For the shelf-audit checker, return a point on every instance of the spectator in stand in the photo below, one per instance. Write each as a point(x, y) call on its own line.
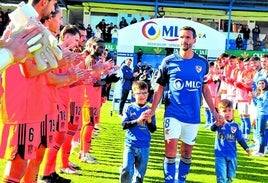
point(7, 19)
point(246, 32)
point(240, 28)
point(114, 34)
point(98, 33)
point(139, 55)
point(257, 44)
point(239, 42)
point(102, 25)
point(249, 44)
point(134, 20)
point(110, 28)
point(123, 23)
point(265, 43)
point(142, 19)
point(256, 32)
point(89, 31)
point(2, 21)
point(106, 35)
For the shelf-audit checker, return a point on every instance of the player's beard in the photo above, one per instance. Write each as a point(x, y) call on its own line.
point(186, 46)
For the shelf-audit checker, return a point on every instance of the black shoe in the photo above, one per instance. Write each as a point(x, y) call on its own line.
point(58, 179)
point(46, 179)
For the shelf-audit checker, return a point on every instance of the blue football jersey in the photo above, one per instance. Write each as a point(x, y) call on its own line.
point(184, 79)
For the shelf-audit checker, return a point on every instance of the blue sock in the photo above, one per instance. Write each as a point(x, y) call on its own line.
point(212, 118)
point(207, 115)
point(243, 125)
point(266, 137)
point(248, 125)
point(184, 168)
point(169, 169)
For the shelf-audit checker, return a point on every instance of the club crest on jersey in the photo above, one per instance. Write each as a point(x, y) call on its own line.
point(198, 68)
point(233, 129)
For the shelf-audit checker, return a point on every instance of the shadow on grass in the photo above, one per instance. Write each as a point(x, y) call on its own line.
point(107, 175)
point(109, 145)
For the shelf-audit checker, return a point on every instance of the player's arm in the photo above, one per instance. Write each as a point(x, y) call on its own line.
point(126, 124)
point(152, 125)
point(158, 94)
point(62, 80)
point(29, 69)
point(208, 98)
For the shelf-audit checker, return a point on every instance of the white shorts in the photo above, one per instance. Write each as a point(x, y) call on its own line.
point(243, 107)
point(175, 129)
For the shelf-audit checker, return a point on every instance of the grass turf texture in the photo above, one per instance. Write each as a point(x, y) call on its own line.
point(107, 147)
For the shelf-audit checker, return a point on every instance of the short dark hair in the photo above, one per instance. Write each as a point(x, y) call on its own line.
point(255, 58)
point(190, 29)
point(232, 57)
point(81, 26)
point(224, 55)
point(264, 56)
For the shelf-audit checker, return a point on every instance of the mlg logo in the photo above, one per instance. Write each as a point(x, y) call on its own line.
point(152, 31)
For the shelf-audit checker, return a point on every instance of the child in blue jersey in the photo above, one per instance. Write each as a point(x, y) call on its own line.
point(138, 123)
point(260, 100)
point(227, 133)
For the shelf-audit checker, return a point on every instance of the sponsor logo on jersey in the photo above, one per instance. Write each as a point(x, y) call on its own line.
point(187, 84)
